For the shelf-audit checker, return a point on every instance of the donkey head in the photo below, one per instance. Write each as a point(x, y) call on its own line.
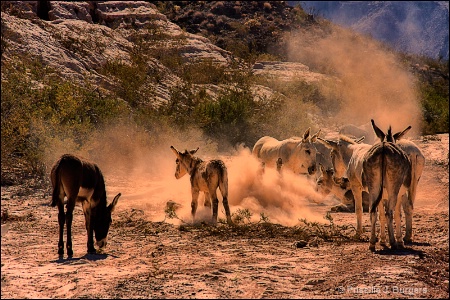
point(325, 180)
point(339, 150)
point(305, 153)
point(183, 161)
point(103, 221)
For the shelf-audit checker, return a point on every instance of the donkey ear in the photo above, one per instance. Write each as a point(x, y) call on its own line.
point(400, 135)
point(306, 134)
point(177, 153)
point(359, 141)
point(114, 202)
point(315, 136)
point(192, 152)
point(329, 144)
point(380, 134)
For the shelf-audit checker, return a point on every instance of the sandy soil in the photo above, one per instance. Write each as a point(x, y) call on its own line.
point(152, 256)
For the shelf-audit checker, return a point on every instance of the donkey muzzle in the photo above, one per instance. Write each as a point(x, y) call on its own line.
point(312, 170)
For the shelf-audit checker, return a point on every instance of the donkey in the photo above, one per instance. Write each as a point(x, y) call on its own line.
point(81, 181)
point(325, 184)
point(386, 166)
point(298, 155)
point(206, 177)
point(406, 199)
point(347, 156)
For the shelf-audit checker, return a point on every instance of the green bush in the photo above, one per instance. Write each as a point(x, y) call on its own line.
point(41, 111)
point(435, 109)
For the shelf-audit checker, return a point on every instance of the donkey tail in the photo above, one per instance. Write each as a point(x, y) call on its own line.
point(383, 171)
point(56, 183)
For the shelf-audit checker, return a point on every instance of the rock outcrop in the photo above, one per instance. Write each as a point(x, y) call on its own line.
point(77, 38)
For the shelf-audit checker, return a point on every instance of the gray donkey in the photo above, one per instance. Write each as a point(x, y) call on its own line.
point(386, 166)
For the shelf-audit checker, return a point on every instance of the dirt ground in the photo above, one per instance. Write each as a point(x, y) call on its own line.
point(151, 256)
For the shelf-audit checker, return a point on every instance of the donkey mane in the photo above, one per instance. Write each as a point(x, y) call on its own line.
point(347, 139)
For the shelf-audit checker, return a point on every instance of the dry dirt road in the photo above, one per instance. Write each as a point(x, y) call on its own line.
point(160, 259)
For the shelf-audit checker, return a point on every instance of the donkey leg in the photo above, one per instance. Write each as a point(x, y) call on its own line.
point(408, 210)
point(89, 226)
point(215, 203)
point(374, 190)
point(373, 236)
point(194, 203)
point(227, 210)
point(390, 218)
point(61, 222)
point(381, 210)
point(207, 200)
point(357, 193)
point(69, 218)
point(223, 186)
point(398, 223)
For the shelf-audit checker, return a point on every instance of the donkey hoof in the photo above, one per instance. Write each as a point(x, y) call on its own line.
point(372, 247)
point(407, 241)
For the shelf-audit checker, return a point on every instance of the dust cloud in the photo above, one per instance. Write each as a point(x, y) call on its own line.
point(141, 166)
point(369, 80)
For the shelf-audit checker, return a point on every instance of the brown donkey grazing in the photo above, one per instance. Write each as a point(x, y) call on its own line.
point(206, 177)
point(81, 181)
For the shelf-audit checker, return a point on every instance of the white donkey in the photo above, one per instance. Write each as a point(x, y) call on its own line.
point(297, 154)
point(347, 158)
point(206, 177)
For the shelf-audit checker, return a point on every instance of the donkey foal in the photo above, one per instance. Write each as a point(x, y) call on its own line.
point(206, 177)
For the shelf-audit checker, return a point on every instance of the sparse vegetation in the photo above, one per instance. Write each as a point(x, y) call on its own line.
point(40, 108)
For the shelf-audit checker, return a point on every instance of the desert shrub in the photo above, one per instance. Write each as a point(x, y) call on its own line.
point(38, 116)
point(435, 109)
point(327, 232)
point(226, 118)
point(130, 79)
point(242, 216)
point(203, 72)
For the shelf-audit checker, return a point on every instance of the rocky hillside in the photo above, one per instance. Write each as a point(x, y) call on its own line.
point(225, 68)
point(78, 38)
point(245, 28)
point(415, 27)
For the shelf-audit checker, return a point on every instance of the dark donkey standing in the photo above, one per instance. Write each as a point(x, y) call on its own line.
point(81, 181)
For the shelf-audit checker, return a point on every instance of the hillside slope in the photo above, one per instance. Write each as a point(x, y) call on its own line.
point(415, 27)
